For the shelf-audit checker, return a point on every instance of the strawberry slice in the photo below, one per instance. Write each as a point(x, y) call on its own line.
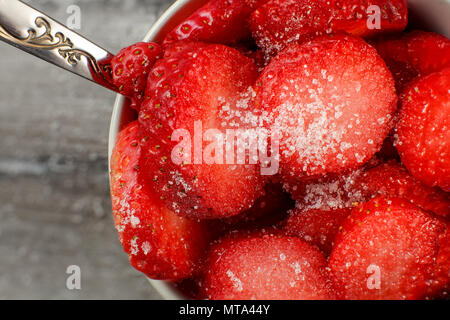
point(188, 93)
point(315, 226)
point(414, 54)
point(392, 179)
point(429, 52)
point(158, 242)
point(218, 21)
point(265, 266)
point(387, 249)
point(130, 68)
point(327, 193)
point(423, 129)
point(331, 101)
point(279, 22)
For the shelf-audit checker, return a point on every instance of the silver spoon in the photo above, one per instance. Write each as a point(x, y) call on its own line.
point(36, 33)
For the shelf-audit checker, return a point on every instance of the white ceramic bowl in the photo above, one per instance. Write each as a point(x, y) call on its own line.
point(433, 15)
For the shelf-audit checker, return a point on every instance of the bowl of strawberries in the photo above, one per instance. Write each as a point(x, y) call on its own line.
point(286, 150)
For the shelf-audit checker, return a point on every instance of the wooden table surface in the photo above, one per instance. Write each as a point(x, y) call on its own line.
point(55, 207)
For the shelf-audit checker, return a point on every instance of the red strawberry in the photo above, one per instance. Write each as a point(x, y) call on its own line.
point(392, 179)
point(423, 129)
point(327, 193)
point(415, 54)
point(428, 52)
point(197, 85)
point(315, 226)
point(387, 249)
point(159, 243)
point(218, 21)
point(130, 68)
point(331, 100)
point(279, 22)
point(265, 266)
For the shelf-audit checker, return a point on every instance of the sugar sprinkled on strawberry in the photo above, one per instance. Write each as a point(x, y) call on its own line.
point(387, 249)
point(331, 100)
point(392, 179)
point(423, 135)
point(265, 266)
point(193, 83)
point(279, 22)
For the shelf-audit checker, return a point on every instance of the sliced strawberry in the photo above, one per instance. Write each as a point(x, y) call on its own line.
point(315, 226)
point(392, 179)
point(218, 21)
point(387, 249)
point(415, 54)
point(159, 243)
point(327, 193)
point(429, 52)
point(265, 266)
point(130, 68)
point(279, 22)
point(190, 89)
point(331, 100)
point(423, 129)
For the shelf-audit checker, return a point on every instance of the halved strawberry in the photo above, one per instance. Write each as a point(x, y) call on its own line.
point(218, 21)
point(279, 22)
point(387, 249)
point(392, 179)
point(327, 193)
point(414, 54)
point(265, 266)
point(423, 129)
point(130, 68)
point(331, 100)
point(159, 243)
point(188, 93)
point(316, 226)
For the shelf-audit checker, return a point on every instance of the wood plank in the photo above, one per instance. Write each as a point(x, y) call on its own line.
point(54, 200)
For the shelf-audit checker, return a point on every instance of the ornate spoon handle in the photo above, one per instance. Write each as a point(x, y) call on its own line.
point(34, 32)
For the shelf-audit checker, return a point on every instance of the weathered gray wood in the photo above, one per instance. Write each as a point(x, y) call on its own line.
point(54, 199)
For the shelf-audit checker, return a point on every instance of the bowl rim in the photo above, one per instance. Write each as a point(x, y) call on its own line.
point(165, 288)
point(436, 11)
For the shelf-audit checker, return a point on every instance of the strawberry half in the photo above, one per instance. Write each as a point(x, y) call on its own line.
point(327, 193)
point(130, 68)
point(331, 101)
point(423, 129)
point(315, 226)
point(414, 54)
point(194, 86)
point(392, 179)
point(388, 249)
point(265, 266)
point(279, 22)
point(158, 242)
point(218, 21)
